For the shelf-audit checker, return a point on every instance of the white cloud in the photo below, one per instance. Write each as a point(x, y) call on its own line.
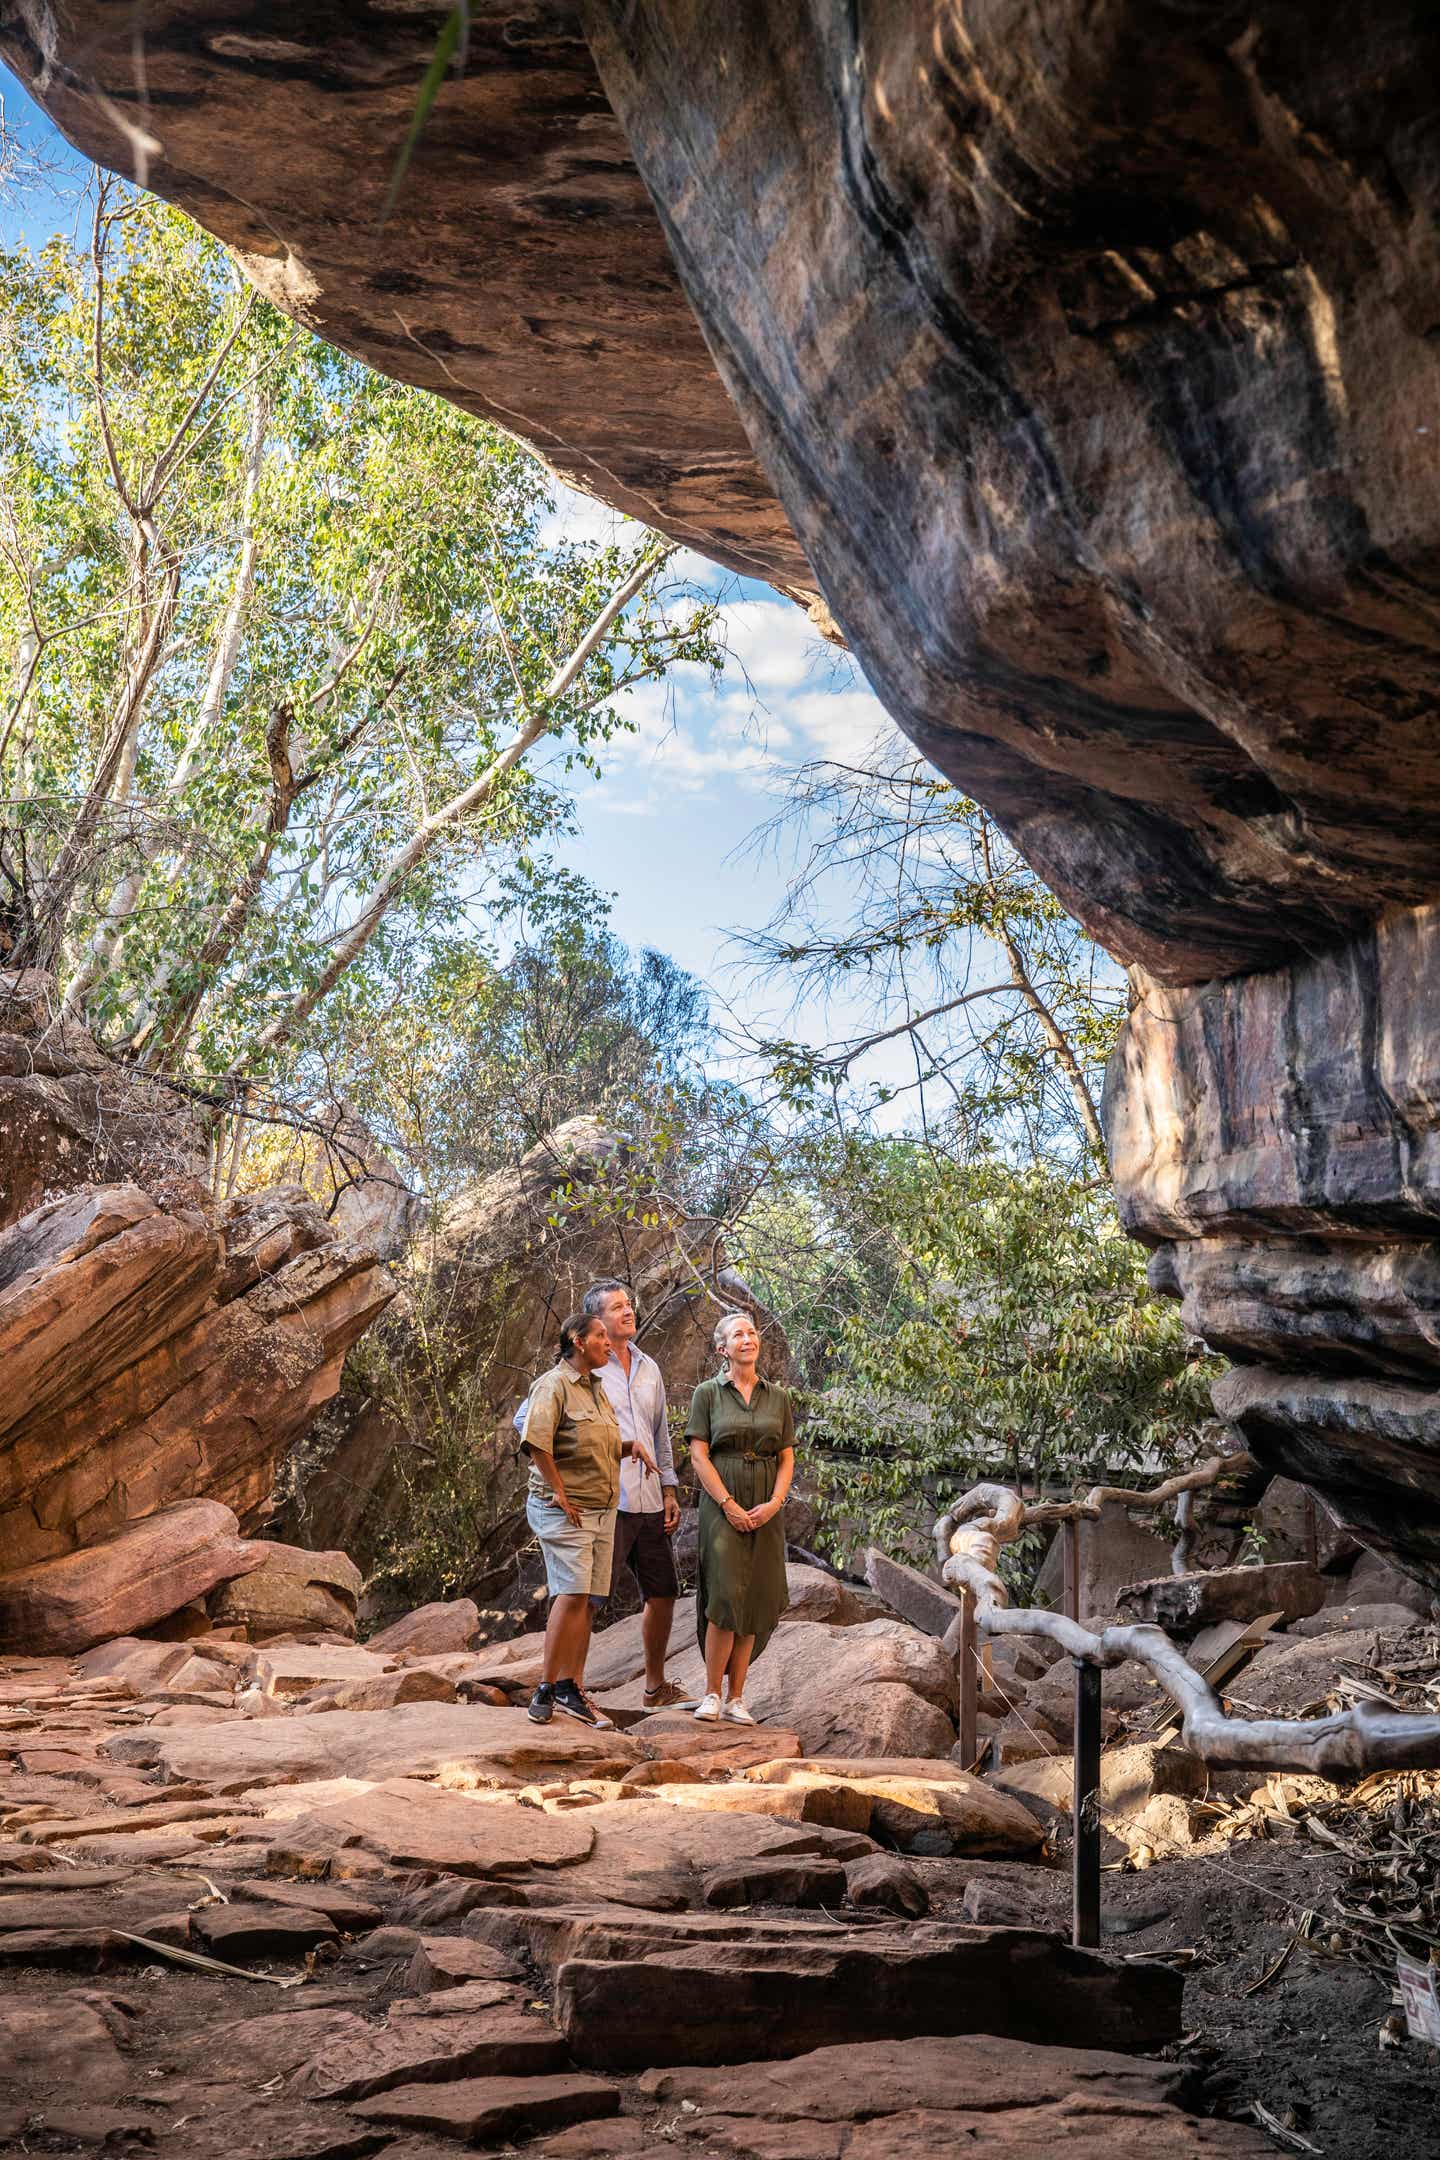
point(773, 642)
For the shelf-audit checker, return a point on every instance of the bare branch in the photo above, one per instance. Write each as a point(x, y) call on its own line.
point(1362, 1738)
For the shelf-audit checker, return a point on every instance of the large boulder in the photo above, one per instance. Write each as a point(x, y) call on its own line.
point(1277, 1140)
point(874, 1687)
point(510, 1260)
point(1183, 1604)
point(290, 1592)
point(127, 1581)
point(431, 1630)
point(155, 1350)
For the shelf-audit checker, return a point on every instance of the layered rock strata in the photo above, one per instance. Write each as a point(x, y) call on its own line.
point(1088, 353)
point(153, 1353)
point(1276, 1139)
point(521, 272)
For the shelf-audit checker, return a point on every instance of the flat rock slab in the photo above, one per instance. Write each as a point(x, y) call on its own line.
point(777, 1882)
point(912, 1799)
point(129, 1822)
point(293, 1669)
point(246, 2051)
point(470, 1996)
point(132, 1578)
point(57, 1878)
point(717, 2002)
point(62, 2045)
point(431, 1629)
point(651, 1854)
point(927, 1605)
point(345, 1908)
point(835, 1805)
point(241, 1932)
point(444, 1963)
point(281, 2130)
point(553, 1934)
point(1184, 1604)
point(914, 2099)
point(413, 1740)
point(488, 2111)
point(77, 1949)
point(714, 1750)
point(414, 2051)
point(411, 1824)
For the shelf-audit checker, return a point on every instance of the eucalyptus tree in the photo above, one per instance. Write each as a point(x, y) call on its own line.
point(907, 897)
point(282, 642)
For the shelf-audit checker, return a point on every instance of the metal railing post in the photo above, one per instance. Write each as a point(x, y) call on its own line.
point(1085, 1929)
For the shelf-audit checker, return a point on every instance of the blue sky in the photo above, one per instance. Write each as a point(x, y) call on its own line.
point(667, 831)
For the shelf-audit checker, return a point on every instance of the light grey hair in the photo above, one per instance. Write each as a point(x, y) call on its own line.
point(599, 1294)
point(723, 1326)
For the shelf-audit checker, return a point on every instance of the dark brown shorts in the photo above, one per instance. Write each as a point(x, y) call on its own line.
point(642, 1546)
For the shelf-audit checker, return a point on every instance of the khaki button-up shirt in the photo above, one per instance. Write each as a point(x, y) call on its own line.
point(573, 1420)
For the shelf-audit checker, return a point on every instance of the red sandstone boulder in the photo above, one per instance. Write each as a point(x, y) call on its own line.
point(291, 1593)
point(129, 1581)
point(153, 1353)
point(431, 1630)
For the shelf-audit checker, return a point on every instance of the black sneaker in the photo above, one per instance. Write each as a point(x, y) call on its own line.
point(542, 1702)
point(569, 1699)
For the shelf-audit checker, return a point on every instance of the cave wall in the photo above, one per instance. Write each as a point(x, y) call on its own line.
point(1087, 359)
point(1276, 1140)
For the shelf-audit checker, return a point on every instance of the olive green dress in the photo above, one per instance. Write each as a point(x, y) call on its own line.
point(742, 1573)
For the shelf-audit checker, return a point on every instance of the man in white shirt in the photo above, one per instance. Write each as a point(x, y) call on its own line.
point(649, 1504)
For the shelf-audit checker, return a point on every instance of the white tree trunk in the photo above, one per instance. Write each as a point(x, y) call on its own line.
point(407, 859)
point(108, 934)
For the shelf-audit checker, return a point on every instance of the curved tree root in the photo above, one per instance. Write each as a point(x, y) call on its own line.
point(1363, 1738)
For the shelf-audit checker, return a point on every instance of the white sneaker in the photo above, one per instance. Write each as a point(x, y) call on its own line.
point(736, 1712)
point(709, 1711)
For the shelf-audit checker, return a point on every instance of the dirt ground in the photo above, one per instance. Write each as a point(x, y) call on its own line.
point(1305, 2044)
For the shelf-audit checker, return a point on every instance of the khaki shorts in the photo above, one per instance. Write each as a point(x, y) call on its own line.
point(578, 1557)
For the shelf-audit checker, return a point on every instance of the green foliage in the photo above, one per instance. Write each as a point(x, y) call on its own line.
point(269, 617)
point(976, 1319)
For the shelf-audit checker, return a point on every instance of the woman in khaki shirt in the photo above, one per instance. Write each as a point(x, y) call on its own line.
point(572, 1437)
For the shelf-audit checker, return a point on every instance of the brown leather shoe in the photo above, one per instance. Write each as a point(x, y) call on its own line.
point(660, 1698)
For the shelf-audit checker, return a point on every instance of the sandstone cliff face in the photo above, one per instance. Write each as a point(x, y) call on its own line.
point(522, 273)
point(1088, 351)
point(152, 1354)
point(1277, 1140)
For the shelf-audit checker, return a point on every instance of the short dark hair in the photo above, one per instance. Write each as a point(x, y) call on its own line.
point(575, 1329)
point(593, 1301)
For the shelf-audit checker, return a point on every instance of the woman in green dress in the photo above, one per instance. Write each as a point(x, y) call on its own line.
point(742, 1442)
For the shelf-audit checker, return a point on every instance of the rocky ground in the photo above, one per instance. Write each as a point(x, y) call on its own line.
point(301, 1900)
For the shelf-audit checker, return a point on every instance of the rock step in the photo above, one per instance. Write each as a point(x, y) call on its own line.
point(636, 1989)
point(911, 2099)
point(490, 2110)
point(431, 2050)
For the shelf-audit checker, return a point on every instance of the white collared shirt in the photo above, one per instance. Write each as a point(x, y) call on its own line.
point(639, 1403)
